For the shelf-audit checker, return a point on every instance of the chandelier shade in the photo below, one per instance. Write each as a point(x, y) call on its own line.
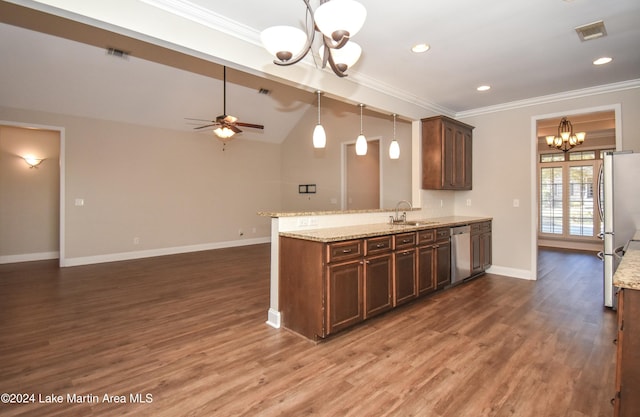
point(339, 18)
point(284, 42)
point(345, 57)
point(565, 140)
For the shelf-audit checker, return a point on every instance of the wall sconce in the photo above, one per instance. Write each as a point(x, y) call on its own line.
point(32, 161)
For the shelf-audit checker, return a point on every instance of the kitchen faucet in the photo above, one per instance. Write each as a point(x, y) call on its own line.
point(402, 219)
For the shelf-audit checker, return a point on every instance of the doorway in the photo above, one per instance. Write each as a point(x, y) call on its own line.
point(362, 177)
point(564, 184)
point(30, 197)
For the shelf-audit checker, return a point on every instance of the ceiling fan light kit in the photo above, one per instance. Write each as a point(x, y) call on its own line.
point(336, 20)
point(225, 125)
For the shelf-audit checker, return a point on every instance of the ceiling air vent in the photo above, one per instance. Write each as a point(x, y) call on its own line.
point(591, 31)
point(118, 53)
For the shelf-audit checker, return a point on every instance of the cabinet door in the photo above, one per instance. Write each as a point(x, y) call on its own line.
point(485, 250)
point(405, 276)
point(344, 295)
point(476, 254)
point(378, 273)
point(426, 270)
point(443, 264)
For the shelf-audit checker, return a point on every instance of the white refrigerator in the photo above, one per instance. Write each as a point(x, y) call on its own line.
point(620, 211)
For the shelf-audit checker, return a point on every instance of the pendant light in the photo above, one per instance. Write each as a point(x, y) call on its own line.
point(394, 148)
point(319, 135)
point(361, 141)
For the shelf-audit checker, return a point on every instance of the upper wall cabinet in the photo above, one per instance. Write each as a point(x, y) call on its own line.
point(446, 154)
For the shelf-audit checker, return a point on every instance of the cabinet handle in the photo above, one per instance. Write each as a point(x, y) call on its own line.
point(615, 341)
point(406, 240)
point(346, 251)
point(406, 253)
point(380, 245)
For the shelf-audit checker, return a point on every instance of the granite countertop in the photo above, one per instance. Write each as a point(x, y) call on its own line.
point(628, 273)
point(328, 212)
point(335, 234)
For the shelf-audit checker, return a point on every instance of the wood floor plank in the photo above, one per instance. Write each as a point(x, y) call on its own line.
point(190, 330)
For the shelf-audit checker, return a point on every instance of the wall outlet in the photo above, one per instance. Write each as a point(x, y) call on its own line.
point(79, 202)
point(253, 230)
point(240, 232)
point(468, 201)
point(516, 202)
point(136, 240)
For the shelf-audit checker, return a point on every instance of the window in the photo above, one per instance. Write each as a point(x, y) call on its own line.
point(551, 200)
point(568, 184)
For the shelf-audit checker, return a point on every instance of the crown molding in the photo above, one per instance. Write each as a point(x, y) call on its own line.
point(552, 98)
point(208, 18)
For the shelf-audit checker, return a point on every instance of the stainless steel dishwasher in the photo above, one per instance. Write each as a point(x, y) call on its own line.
point(460, 253)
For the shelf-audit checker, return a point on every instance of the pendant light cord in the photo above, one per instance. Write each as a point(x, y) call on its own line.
point(361, 106)
point(394, 126)
point(318, 106)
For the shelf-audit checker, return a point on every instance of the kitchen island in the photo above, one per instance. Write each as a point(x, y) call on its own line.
point(627, 385)
point(333, 278)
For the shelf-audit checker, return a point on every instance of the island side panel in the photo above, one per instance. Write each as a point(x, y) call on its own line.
point(302, 286)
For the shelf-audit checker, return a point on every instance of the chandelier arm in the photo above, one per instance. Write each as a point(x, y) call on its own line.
point(310, 38)
point(334, 67)
point(330, 43)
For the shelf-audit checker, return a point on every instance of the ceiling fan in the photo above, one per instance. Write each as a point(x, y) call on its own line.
point(225, 125)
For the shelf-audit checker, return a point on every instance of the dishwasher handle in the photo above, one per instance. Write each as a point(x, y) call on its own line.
point(460, 230)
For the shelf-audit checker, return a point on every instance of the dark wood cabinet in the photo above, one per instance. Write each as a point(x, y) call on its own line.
point(344, 295)
point(627, 383)
point(443, 258)
point(328, 287)
point(446, 154)
point(426, 259)
point(405, 276)
point(480, 247)
point(378, 276)
point(404, 259)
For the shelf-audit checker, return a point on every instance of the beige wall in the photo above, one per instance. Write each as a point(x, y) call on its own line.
point(302, 164)
point(29, 197)
point(504, 158)
point(169, 189)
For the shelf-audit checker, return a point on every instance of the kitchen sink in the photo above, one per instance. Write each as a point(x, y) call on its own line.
point(414, 223)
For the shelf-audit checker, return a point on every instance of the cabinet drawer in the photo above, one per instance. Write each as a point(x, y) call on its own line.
point(426, 236)
point(345, 250)
point(485, 227)
point(442, 234)
point(405, 240)
point(378, 245)
point(475, 228)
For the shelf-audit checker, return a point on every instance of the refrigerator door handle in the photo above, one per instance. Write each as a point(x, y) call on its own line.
point(599, 191)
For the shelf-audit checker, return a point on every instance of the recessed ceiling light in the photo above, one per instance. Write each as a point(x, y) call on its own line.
point(484, 88)
point(419, 48)
point(602, 61)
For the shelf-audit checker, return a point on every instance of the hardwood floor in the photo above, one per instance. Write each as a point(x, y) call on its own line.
point(190, 331)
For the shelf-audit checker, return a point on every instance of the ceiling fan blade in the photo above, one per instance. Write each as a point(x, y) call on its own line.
point(205, 126)
point(234, 128)
point(250, 125)
point(200, 120)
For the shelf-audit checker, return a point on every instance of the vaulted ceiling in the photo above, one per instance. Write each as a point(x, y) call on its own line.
point(54, 58)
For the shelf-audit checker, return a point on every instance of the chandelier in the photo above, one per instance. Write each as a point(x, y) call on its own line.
point(565, 140)
point(336, 20)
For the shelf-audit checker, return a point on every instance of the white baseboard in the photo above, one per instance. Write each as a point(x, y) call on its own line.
point(28, 257)
point(511, 272)
point(125, 256)
point(273, 318)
